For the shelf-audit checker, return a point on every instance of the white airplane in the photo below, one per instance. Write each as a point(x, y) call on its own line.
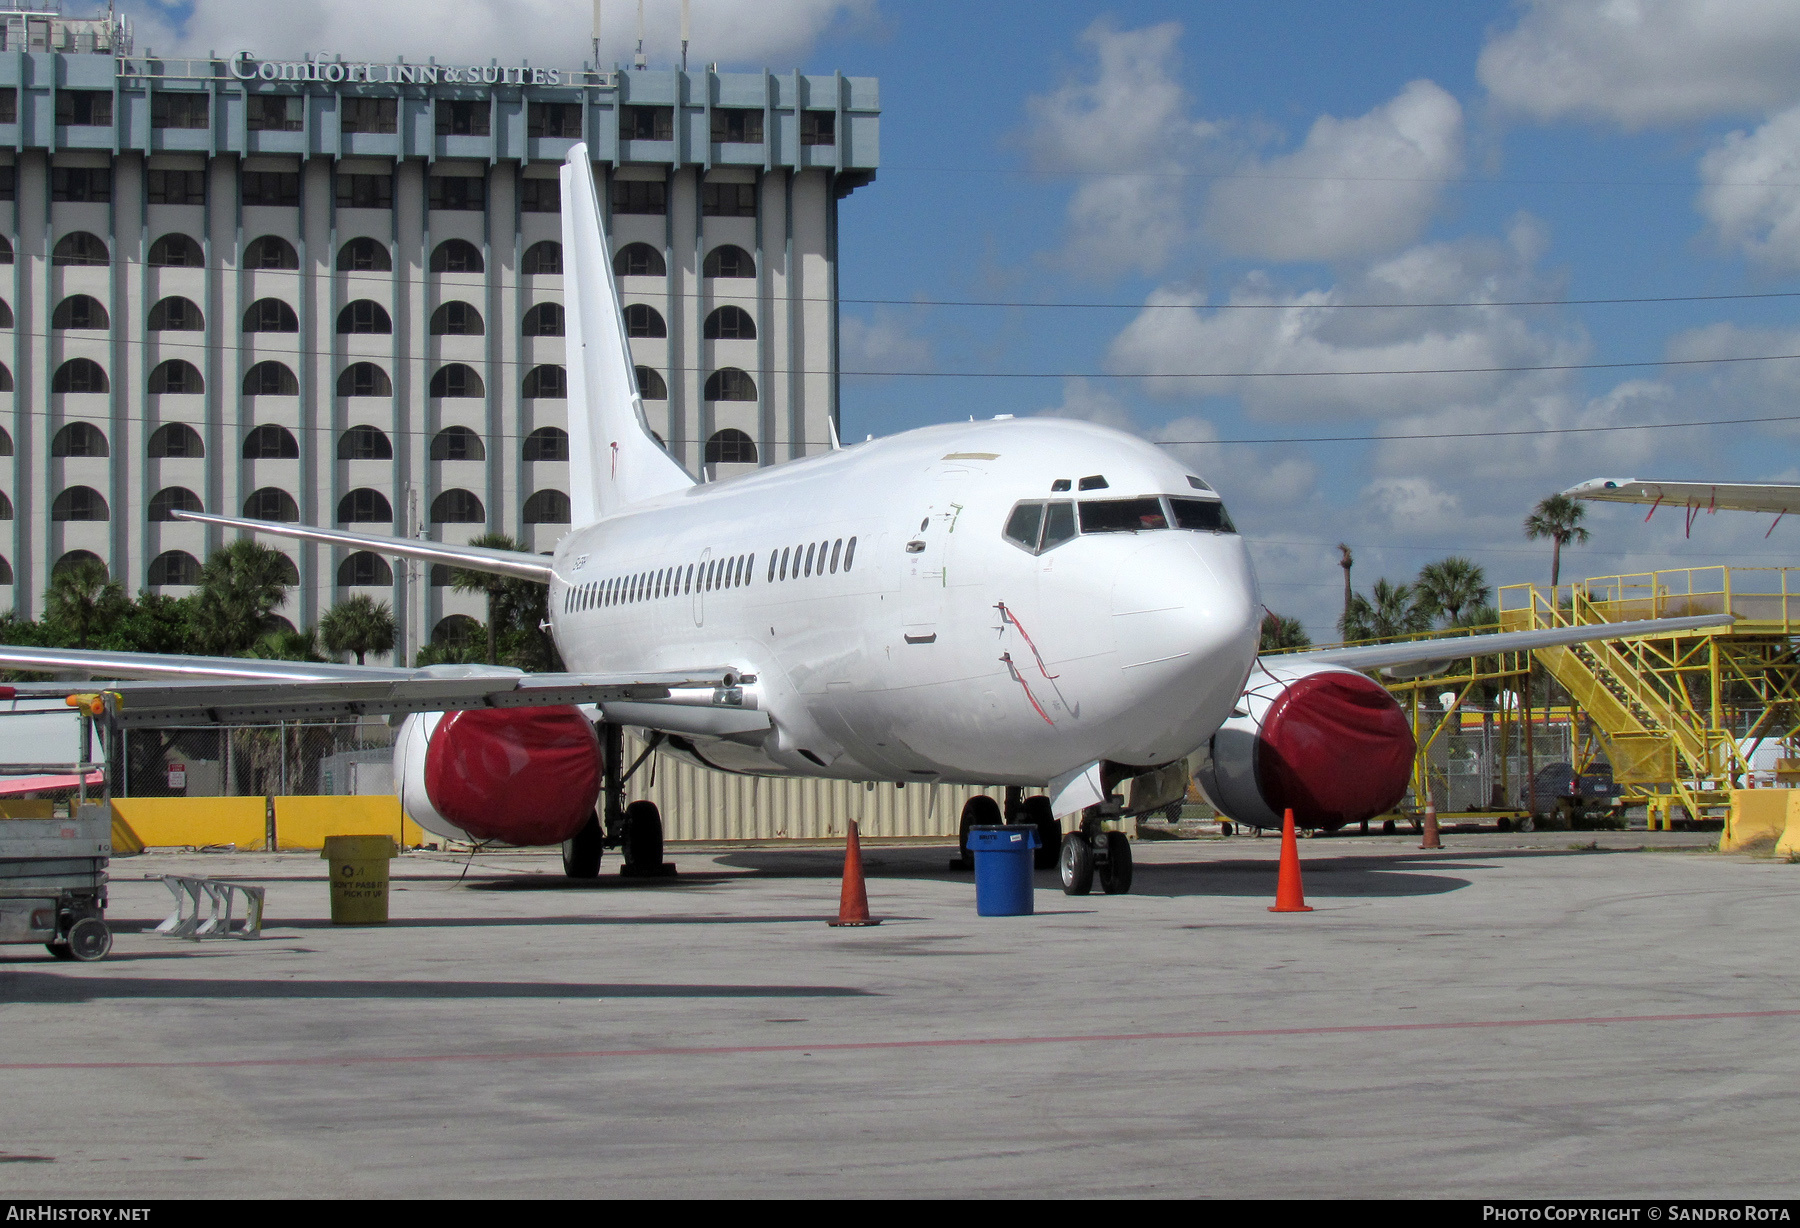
point(1693, 498)
point(1029, 603)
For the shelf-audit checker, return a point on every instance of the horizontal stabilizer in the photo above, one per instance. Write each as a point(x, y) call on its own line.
point(474, 558)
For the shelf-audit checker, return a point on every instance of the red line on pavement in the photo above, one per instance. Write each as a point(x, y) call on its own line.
point(375, 1059)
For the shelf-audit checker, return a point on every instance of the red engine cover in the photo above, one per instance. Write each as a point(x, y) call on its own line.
point(1335, 748)
point(520, 775)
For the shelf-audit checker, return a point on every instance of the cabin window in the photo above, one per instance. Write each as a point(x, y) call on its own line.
point(837, 549)
point(1205, 514)
point(809, 558)
point(849, 554)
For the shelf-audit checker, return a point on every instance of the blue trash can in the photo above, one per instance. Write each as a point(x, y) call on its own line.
point(1003, 869)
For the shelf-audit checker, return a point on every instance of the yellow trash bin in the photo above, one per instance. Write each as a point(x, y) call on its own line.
point(359, 878)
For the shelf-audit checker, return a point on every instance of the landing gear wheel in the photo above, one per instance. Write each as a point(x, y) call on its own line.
point(1036, 811)
point(979, 811)
point(1115, 875)
point(89, 939)
point(1387, 827)
point(643, 843)
point(59, 949)
point(581, 852)
point(1076, 864)
point(1225, 827)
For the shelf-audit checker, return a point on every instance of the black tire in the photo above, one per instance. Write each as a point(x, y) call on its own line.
point(1076, 863)
point(59, 949)
point(1387, 827)
point(1115, 875)
point(582, 851)
point(1225, 827)
point(979, 811)
point(89, 940)
point(643, 844)
point(1036, 811)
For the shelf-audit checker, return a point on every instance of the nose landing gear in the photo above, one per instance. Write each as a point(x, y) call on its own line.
point(1092, 851)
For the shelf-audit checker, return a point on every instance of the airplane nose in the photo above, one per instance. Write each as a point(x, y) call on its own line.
point(1187, 600)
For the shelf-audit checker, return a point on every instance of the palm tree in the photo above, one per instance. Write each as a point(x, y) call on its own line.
point(1396, 610)
point(1557, 517)
point(1450, 586)
point(495, 588)
point(358, 625)
point(1281, 632)
point(84, 599)
point(287, 644)
point(240, 587)
point(1345, 560)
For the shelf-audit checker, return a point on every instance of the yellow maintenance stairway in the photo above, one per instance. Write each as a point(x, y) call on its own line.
point(1673, 712)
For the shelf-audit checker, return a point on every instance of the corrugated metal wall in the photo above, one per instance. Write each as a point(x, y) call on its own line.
point(698, 804)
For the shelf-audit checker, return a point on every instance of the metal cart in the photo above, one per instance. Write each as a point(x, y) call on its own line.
point(53, 882)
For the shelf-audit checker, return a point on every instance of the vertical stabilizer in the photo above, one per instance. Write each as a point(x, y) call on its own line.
point(614, 460)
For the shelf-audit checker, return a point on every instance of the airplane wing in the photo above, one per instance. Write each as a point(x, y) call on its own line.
point(1773, 497)
point(474, 558)
point(147, 689)
point(1454, 648)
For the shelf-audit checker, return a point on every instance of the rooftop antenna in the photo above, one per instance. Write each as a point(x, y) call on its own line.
point(638, 61)
point(596, 35)
point(684, 34)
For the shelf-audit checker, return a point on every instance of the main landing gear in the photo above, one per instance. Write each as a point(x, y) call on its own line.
point(982, 811)
point(635, 830)
point(1091, 851)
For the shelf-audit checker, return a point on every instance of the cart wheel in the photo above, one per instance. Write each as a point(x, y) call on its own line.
point(89, 939)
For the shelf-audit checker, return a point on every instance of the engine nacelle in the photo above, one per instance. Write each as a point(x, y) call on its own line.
point(512, 775)
point(1321, 740)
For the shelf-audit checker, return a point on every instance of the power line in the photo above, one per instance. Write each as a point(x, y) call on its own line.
point(1547, 430)
point(1294, 306)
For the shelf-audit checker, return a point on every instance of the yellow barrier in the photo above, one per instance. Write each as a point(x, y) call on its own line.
point(1789, 844)
point(27, 808)
point(1757, 816)
point(304, 822)
point(197, 821)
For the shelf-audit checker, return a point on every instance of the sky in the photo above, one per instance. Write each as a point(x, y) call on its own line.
point(1173, 217)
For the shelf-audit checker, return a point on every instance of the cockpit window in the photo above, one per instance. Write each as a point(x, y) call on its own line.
point(1122, 515)
point(1038, 527)
point(1197, 484)
point(1023, 525)
point(1206, 514)
point(1059, 525)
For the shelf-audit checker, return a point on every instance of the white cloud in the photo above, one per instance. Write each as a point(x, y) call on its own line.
point(1409, 501)
point(1126, 132)
point(1086, 400)
point(552, 33)
point(1356, 187)
point(1752, 191)
point(1307, 332)
point(882, 344)
point(1642, 62)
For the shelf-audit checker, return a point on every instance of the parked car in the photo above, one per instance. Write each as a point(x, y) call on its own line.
point(1595, 787)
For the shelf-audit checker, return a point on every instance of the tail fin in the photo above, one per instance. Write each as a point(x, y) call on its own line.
point(614, 460)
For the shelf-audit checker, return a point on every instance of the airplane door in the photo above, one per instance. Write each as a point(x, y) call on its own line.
point(925, 583)
point(700, 587)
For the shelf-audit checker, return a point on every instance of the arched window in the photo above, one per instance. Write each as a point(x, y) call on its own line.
point(6, 507)
point(176, 252)
point(730, 384)
point(730, 447)
point(364, 316)
point(364, 570)
point(176, 375)
point(730, 324)
point(6, 384)
point(639, 260)
point(456, 379)
point(80, 311)
point(6, 314)
point(547, 507)
point(6, 250)
point(173, 567)
point(75, 558)
point(271, 503)
point(271, 252)
point(176, 439)
point(80, 503)
point(271, 442)
point(364, 255)
point(6, 572)
point(174, 499)
point(80, 439)
point(457, 320)
point(290, 572)
point(364, 379)
point(271, 379)
point(457, 256)
point(543, 258)
point(6, 443)
point(455, 631)
point(457, 507)
point(549, 382)
point(544, 320)
point(457, 443)
point(365, 443)
point(728, 260)
point(177, 315)
point(650, 384)
point(547, 443)
point(643, 320)
point(270, 315)
point(78, 247)
point(365, 506)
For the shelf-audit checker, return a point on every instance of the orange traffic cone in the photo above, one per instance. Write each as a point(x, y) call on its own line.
point(1289, 897)
point(853, 901)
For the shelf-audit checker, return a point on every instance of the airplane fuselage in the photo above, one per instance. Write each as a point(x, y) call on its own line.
point(896, 632)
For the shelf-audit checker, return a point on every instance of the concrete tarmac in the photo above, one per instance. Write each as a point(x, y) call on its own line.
point(1515, 1016)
